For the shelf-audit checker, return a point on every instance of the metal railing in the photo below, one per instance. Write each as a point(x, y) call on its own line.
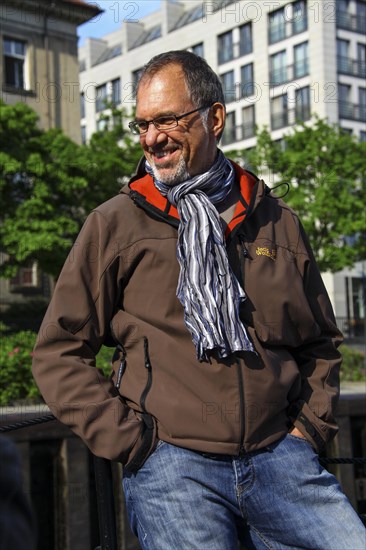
point(351, 327)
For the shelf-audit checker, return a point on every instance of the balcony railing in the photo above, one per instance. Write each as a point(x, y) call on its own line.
point(351, 111)
point(353, 67)
point(350, 22)
point(239, 49)
point(288, 73)
point(238, 133)
point(289, 117)
point(351, 327)
point(284, 30)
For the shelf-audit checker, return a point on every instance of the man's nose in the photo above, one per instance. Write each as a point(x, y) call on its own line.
point(153, 136)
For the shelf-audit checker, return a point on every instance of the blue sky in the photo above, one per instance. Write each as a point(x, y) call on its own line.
point(115, 12)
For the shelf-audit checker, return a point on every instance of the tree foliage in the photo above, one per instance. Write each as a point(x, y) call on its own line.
point(48, 184)
point(325, 169)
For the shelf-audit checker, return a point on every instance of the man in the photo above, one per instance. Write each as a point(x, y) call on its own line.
point(225, 375)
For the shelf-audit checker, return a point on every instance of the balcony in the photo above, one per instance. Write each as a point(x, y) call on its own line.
point(350, 22)
point(286, 29)
point(288, 73)
point(289, 117)
point(352, 67)
point(234, 52)
point(238, 133)
point(351, 111)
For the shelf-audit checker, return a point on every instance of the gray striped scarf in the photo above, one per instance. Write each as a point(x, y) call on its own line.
point(207, 288)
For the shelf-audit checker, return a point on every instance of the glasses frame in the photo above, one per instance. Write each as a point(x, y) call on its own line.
point(133, 125)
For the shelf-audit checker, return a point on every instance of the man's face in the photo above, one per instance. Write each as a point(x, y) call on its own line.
point(188, 149)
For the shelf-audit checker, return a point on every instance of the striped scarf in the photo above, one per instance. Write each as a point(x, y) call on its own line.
point(207, 288)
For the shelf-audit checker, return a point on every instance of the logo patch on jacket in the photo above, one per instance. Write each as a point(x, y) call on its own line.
point(264, 251)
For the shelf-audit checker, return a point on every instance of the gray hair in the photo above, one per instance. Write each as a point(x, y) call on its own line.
point(204, 86)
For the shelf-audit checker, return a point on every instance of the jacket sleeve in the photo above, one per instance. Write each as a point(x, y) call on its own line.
point(73, 331)
point(318, 360)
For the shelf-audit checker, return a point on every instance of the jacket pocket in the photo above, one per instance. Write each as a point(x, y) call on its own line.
point(145, 445)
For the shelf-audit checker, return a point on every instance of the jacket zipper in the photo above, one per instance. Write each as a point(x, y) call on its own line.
point(123, 363)
point(149, 374)
point(153, 210)
point(244, 255)
point(242, 410)
point(122, 366)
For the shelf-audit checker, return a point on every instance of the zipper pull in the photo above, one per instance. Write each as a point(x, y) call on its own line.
point(121, 369)
point(146, 352)
point(244, 249)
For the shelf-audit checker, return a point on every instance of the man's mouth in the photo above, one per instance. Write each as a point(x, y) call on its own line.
point(162, 154)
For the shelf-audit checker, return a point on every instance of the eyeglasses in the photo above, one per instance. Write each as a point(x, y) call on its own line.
point(166, 122)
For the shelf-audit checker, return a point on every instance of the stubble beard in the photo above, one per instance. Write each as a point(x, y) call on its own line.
point(175, 175)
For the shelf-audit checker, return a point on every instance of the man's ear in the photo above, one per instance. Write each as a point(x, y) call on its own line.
point(218, 117)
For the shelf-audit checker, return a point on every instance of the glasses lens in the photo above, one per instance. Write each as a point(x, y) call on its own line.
point(137, 127)
point(165, 122)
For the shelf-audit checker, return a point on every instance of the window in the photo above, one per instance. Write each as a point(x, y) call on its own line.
point(198, 49)
point(83, 135)
point(277, 26)
point(342, 47)
point(248, 122)
point(26, 277)
point(229, 87)
point(135, 78)
point(82, 105)
point(302, 108)
point(345, 107)
point(361, 15)
point(101, 96)
point(229, 135)
point(102, 124)
point(299, 18)
point(279, 112)
point(362, 104)
point(14, 61)
point(301, 60)
point(247, 80)
point(358, 298)
point(362, 135)
point(361, 60)
point(278, 68)
point(225, 47)
point(116, 91)
point(246, 43)
point(343, 61)
point(349, 21)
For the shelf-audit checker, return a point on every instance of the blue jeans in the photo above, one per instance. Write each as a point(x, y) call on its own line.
point(278, 498)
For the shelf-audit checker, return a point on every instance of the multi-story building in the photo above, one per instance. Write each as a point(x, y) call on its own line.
point(39, 66)
point(279, 61)
point(39, 58)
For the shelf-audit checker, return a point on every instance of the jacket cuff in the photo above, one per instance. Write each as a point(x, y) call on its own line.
point(311, 426)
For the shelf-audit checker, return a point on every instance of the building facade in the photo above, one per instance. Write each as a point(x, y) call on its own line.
point(39, 66)
point(39, 58)
point(279, 61)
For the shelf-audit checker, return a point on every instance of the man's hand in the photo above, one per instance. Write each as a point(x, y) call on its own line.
point(296, 432)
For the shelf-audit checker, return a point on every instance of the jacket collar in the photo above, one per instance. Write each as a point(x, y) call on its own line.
point(143, 192)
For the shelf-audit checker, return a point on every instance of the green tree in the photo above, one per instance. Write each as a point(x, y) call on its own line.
point(48, 184)
point(325, 169)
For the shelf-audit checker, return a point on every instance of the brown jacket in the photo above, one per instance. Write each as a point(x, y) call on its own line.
point(119, 283)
